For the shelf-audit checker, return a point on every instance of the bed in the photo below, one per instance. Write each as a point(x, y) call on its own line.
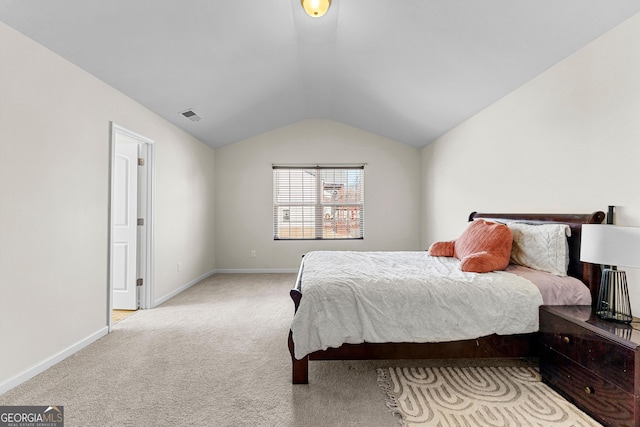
point(380, 346)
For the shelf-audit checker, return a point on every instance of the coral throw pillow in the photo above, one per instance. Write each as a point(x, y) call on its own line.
point(484, 246)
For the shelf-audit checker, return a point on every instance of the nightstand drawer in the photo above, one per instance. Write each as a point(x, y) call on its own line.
point(560, 335)
point(594, 352)
point(601, 399)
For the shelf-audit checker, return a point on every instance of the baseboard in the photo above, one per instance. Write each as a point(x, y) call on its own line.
point(222, 271)
point(182, 288)
point(29, 373)
point(256, 271)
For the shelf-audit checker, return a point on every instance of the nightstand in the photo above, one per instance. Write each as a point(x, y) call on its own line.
point(593, 363)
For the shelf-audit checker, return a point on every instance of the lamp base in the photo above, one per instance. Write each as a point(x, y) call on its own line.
point(613, 298)
point(615, 317)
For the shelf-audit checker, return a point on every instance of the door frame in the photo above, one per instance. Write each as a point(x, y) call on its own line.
point(147, 194)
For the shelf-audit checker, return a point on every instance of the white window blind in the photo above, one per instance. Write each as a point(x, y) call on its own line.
point(319, 202)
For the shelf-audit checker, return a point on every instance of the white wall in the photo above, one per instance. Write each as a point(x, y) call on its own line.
point(185, 210)
point(54, 183)
point(568, 141)
point(244, 196)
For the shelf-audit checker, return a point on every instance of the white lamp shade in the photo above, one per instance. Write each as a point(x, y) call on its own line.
point(610, 245)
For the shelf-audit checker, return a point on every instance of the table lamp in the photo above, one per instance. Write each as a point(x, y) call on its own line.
point(611, 246)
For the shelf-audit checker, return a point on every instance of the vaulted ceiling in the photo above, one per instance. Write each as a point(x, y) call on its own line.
point(408, 70)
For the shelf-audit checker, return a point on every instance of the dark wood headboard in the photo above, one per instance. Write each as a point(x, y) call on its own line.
point(588, 273)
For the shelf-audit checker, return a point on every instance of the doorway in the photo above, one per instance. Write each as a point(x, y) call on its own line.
point(130, 222)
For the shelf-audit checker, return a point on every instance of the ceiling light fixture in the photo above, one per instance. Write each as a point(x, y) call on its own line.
point(316, 8)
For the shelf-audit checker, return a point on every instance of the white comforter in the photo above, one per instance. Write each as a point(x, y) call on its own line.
point(355, 297)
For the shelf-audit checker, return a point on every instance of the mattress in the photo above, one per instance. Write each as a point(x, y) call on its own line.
point(376, 297)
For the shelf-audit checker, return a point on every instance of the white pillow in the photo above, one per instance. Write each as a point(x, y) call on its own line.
point(542, 247)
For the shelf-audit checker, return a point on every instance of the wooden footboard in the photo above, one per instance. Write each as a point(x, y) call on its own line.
point(300, 374)
point(300, 368)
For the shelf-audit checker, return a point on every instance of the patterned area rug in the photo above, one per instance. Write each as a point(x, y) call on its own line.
point(476, 396)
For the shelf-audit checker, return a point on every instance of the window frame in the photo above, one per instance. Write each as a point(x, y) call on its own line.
point(351, 210)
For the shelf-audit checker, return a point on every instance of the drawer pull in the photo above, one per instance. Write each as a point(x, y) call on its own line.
point(589, 390)
point(566, 340)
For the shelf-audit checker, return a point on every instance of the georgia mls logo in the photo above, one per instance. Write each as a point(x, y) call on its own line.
point(31, 416)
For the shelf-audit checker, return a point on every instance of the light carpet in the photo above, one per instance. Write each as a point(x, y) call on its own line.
point(477, 396)
point(215, 355)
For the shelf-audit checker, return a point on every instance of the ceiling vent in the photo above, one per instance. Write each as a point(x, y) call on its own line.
point(191, 115)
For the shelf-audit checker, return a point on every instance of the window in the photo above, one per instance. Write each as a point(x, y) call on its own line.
point(318, 202)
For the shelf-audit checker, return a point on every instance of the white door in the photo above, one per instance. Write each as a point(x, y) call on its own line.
point(125, 229)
